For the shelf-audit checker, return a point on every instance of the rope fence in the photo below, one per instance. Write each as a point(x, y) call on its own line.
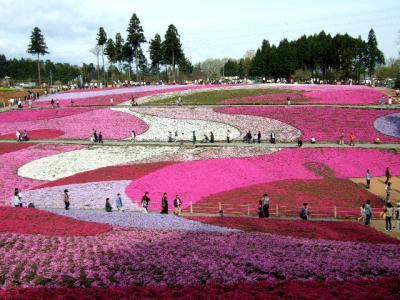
point(335, 212)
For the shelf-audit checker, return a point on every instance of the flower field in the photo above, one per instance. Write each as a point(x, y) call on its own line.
point(354, 289)
point(324, 123)
point(86, 252)
point(336, 231)
point(33, 221)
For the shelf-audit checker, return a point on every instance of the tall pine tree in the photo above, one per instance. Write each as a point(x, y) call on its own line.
point(156, 54)
point(374, 55)
point(37, 46)
point(135, 39)
point(172, 48)
point(101, 41)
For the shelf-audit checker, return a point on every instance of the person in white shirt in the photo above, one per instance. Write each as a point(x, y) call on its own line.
point(397, 215)
point(18, 135)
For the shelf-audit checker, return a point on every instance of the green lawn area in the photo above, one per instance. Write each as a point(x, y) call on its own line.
point(217, 96)
point(3, 89)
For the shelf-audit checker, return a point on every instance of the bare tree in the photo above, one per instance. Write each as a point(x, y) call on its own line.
point(96, 50)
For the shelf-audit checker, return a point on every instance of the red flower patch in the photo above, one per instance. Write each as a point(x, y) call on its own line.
point(289, 195)
point(37, 134)
point(34, 221)
point(328, 230)
point(382, 288)
point(12, 147)
point(127, 172)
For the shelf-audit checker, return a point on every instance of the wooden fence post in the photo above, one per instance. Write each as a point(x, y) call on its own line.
point(248, 209)
point(191, 207)
point(277, 210)
point(334, 212)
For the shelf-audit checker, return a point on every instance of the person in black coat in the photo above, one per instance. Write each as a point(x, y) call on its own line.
point(164, 204)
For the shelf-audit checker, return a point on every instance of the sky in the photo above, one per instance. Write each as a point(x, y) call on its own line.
point(208, 29)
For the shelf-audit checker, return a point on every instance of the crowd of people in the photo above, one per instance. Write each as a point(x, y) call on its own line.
point(145, 202)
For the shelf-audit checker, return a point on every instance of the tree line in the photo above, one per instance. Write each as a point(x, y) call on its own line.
point(167, 53)
point(26, 70)
point(320, 55)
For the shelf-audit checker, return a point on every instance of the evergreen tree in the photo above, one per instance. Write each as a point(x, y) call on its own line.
point(172, 48)
point(128, 57)
point(230, 68)
point(374, 55)
point(118, 50)
point(37, 46)
point(101, 41)
point(135, 39)
point(156, 54)
point(397, 82)
point(109, 50)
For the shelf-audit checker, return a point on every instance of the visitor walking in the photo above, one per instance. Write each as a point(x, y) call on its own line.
point(272, 138)
point(108, 205)
point(299, 142)
point(17, 200)
point(18, 136)
point(352, 139)
point(100, 139)
point(304, 212)
point(66, 199)
point(389, 216)
point(397, 215)
point(368, 178)
point(178, 205)
point(94, 136)
point(52, 103)
point(388, 189)
point(145, 202)
point(133, 136)
point(341, 138)
point(265, 205)
point(25, 137)
point(228, 138)
point(211, 137)
point(164, 204)
point(194, 137)
point(388, 175)
point(260, 209)
point(259, 137)
point(118, 203)
point(368, 212)
point(361, 219)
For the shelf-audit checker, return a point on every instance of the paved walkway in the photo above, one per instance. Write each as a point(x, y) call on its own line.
point(377, 106)
point(188, 144)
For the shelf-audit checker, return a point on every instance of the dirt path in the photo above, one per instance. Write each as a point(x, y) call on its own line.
point(378, 187)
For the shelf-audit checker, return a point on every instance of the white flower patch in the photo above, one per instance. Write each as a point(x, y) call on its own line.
point(82, 196)
point(159, 128)
point(203, 153)
point(73, 162)
point(245, 123)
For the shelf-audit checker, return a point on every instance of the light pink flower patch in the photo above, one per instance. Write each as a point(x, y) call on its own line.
point(112, 124)
point(14, 116)
point(11, 162)
point(197, 179)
